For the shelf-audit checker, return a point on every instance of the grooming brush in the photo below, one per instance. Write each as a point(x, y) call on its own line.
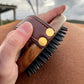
point(42, 44)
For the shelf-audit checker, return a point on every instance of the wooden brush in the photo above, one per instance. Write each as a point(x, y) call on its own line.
point(42, 44)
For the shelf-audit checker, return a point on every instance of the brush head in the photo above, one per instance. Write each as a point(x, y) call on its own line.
point(42, 43)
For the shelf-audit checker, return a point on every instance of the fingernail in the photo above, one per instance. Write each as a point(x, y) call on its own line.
point(25, 27)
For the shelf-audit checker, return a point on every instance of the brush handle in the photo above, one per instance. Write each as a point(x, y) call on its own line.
point(33, 51)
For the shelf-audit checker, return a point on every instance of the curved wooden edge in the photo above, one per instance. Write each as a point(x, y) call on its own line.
point(28, 57)
point(58, 22)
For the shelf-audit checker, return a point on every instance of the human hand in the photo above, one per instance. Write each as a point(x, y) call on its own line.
point(9, 52)
point(14, 42)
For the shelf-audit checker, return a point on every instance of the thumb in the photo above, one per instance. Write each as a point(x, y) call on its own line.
point(14, 41)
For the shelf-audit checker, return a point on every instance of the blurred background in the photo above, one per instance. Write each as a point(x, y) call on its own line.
point(11, 10)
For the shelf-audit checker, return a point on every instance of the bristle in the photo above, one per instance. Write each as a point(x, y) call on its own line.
point(52, 46)
point(45, 55)
point(47, 52)
point(28, 72)
point(52, 50)
point(59, 34)
point(61, 31)
point(58, 38)
point(42, 59)
point(64, 28)
point(31, 69)
point(35, 66)
point(55, 42)
point(38, 62)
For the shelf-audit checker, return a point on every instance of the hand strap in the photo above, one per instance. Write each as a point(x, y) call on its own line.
point(42, 31)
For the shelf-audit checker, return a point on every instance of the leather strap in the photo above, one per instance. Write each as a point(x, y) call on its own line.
point(42, 31)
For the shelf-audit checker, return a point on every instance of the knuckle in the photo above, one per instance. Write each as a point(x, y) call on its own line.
point(4, 74)
point(5, 71)
point(10, 33)
point(13, 41)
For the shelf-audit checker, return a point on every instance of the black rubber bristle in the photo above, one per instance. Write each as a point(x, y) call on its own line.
point(28, 72)
point(64, 28)
point(55, 42)
point(45, 55)
point(35, 66)
point(59, 34)
point(31, 69)
point(52, 50)
point(52, 46)
point(61, 31)
point(58, 38)
point(38, 62)
point(42, 59)
point(47, 52)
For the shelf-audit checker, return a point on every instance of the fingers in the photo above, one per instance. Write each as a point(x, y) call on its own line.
point(48, 16)
point(14, 42)
point(9, 49)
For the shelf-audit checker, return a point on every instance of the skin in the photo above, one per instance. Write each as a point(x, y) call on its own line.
point(64, 67)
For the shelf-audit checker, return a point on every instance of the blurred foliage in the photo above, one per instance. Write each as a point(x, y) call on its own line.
point(7, 21)
point(72, 21)
point(76, 21)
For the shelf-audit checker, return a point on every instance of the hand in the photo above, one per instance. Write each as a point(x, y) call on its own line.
point(9, 52)
point(14, 42)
